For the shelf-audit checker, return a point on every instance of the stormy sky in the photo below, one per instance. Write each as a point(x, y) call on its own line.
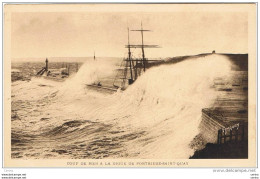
point(80, 33)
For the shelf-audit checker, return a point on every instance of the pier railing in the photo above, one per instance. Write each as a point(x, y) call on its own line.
point(235, 133)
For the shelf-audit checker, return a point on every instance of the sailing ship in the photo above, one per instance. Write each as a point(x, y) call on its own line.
point(135, 67)
point(132, 67)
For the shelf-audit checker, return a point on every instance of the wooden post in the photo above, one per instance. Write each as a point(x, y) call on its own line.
point(236, 137)
point(243, 132)
point(230, 135)
point(224, 136)
point(219, 136)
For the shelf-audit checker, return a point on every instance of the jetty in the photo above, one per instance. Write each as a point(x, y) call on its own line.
point(58, 71)
point(44, 70)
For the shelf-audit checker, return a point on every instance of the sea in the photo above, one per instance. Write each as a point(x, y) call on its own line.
point(157, 117)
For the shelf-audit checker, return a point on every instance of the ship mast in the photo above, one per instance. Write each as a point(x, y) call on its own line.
point(134, 66)
point(129, 56)
point(142, 46)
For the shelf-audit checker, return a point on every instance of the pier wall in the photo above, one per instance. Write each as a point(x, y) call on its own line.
point(209, 128)
point(213, 120)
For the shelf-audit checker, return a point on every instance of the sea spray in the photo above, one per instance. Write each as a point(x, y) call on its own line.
point(35, 89)
point(167, 101)
point(90, 72)
point(156, 117)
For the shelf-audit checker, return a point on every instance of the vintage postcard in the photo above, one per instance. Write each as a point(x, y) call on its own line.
point(129, 85)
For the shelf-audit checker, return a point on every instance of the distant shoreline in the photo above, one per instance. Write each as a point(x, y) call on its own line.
point(60, 59)
point(82, 59)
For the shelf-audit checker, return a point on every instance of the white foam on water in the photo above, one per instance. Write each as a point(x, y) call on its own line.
point(165, 102)
point(91, 71)
point(35, 89)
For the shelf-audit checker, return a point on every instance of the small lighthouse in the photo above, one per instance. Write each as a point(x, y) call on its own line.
point(46, 67)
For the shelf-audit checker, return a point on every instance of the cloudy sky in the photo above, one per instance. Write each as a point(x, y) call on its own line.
point(79, 34)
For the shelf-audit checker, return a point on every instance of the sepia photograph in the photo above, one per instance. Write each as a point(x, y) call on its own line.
point(139, 85)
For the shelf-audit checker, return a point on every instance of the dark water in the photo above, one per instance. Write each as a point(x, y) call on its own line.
point(24, 71)
point(42, 127)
